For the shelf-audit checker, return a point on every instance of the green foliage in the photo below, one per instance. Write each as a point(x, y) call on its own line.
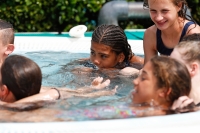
point(194, 6)
point(49, 15)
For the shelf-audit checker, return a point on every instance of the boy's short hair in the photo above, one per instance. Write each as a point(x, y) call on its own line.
point(192, 37)
point(21, 75)
point(6, 32)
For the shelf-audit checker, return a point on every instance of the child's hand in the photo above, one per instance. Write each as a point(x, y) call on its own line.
point(97, 83)
point(182, 102)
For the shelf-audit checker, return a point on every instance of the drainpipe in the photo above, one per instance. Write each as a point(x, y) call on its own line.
point(113, 11)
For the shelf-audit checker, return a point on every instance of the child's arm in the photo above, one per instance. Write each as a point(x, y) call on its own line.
point(149, 43)
point(60, 93)
point(51, 94)
point(87, 91)
point(137, 59)
point(95, 85)
point(97, 93)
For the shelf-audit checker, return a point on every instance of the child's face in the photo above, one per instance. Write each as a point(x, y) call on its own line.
point(145, 86)
point(163, 13)
point(103, 56)
point(3, 48)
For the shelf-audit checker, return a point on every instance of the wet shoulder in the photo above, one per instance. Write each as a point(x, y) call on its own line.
point(150, 37)
point(151, 31)
point(193, 28)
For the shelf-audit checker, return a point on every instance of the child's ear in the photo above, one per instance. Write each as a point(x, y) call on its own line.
point(6, 94)
point(10, 49)
point(121, 57)
point(4, 90)
point(164, 92)
point(179, 5)
point(194, 68)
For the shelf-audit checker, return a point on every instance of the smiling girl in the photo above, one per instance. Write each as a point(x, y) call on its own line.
point(171, 24)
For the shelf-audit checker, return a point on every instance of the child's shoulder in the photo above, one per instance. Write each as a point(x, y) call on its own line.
point(193, 28)
point(150, 34)
point(151, 30)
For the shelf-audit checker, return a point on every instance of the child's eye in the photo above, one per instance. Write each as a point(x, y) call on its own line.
point(164, 11)
point(104, 56)
point(92, 53)
point(152, 11)
point(142, 77)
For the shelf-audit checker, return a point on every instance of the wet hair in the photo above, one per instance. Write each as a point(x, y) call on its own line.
point(182, 13)
point(21, 75)
point(189, 49)
point(171, 74)
point(114, 37)
point(192, 37)
point(6, 32)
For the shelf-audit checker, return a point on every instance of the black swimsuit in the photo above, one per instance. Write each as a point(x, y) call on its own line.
point(128, 64)
point(162, 49)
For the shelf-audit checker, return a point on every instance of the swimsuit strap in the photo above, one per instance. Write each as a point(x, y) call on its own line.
point(185, 29)
point(161, 48)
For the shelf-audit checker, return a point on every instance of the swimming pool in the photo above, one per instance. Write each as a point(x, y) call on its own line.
point(184, 122)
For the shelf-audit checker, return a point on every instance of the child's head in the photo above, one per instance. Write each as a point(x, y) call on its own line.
point(187, 52)
point(163, 80)
point(113, 38)
point(192, 37)
point(182, 4)
point(20, 76)
point(6, 39)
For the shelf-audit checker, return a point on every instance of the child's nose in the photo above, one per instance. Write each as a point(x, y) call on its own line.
point(158, 17)
point(135, 81)
point(96, 62)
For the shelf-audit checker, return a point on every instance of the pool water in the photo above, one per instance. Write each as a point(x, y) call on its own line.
point(57, 71)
